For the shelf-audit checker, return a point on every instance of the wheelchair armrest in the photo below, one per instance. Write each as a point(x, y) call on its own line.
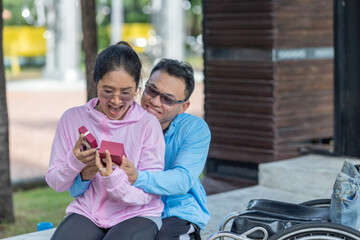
point(227, 219)
point(322, 202)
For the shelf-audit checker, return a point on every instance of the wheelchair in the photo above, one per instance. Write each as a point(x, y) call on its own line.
point(274, 220)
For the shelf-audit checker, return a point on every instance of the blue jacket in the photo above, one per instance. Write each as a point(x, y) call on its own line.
point(187, 143)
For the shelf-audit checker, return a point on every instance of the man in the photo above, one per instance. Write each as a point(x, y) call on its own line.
point(187, 140)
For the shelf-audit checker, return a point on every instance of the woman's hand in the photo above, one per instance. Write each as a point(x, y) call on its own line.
point(87, 156)
point(104, 171)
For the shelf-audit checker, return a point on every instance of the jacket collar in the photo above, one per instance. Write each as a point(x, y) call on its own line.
point(174, 124)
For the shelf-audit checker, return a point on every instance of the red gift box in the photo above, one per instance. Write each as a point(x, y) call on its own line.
point(89, 139)
point(116, 151)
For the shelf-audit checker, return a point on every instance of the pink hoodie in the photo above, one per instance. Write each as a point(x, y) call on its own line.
point(112, 199)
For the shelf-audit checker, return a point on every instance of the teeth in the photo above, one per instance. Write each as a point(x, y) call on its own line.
point(152, 110)
point(115, 109)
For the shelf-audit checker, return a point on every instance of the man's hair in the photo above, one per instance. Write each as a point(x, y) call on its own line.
point(178, 69)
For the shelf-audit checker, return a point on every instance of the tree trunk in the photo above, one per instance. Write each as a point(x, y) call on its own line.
point(88, 16)
point(6, 204)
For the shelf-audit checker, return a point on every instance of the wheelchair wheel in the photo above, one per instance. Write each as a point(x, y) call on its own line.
point(318, 231)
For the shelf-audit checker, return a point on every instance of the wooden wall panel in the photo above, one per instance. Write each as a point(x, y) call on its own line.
point(303, 23)
point(261, 108)
point(244, 23)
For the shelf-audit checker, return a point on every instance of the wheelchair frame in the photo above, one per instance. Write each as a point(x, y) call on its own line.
point(303, 231)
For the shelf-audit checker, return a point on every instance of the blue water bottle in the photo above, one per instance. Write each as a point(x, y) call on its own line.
point(44, 226)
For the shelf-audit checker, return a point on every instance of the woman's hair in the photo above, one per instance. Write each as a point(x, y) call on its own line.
point(180, 70)
point(120, 56)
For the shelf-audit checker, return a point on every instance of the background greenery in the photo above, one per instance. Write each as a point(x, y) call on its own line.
point(34, 206)
point(133, 10)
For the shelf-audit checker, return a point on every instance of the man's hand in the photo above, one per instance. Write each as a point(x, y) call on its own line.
point(129, 169)
point(88, 172)
point(87, 156)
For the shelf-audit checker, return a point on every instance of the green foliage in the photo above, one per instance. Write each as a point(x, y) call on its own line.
point(33, 206)
point(133, 11)
point(193, 19)
point(103, 37)
point(196, 61)
point(15, 7)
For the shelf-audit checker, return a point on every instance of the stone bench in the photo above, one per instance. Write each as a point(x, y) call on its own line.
point(41, 235)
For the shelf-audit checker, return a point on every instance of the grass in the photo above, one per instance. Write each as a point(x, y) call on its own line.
point(33, 206)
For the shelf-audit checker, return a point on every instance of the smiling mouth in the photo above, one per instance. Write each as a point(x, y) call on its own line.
point(115, 110)
point(152, 110)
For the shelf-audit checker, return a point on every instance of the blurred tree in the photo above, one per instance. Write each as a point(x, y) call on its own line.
point(88, 17)
point(6, 204)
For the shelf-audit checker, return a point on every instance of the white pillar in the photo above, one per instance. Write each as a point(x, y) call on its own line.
point(174, 28)
point(69, 40)
point(50, 36)
point(117, 20)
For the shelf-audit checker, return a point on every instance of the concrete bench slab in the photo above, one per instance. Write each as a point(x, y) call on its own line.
point(41, 235)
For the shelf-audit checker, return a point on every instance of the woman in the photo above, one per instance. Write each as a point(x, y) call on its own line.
point(111, 208)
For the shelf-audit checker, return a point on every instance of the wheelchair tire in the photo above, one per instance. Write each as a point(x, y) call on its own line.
point(318, 231)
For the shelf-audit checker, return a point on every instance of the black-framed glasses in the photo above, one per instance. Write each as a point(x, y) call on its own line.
point(165, 99)
point(108, 94)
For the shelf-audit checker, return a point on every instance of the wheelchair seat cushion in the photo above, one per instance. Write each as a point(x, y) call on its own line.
point(275, 216)
point(290, 210)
